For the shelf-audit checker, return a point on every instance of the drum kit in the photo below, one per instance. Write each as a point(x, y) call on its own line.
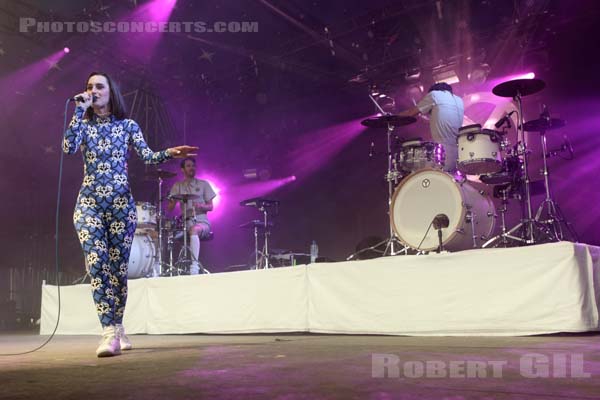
point(421, 193)
point(147, 248)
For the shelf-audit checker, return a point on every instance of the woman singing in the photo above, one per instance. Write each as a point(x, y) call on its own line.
point(105, 217)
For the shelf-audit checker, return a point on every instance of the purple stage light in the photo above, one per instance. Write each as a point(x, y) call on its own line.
point(67, 50)
point(19, 84)
point(313, 150)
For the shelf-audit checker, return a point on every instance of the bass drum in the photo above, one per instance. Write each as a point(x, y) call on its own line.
point(142, 257)
point(429, 192)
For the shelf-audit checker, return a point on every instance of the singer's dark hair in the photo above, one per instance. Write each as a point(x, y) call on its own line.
point(117, 103)
point(441, 86)
point(182, 163)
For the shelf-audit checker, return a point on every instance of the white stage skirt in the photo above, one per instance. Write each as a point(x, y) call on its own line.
point(518, 291)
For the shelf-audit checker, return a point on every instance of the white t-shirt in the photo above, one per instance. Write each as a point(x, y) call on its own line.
point(446, 117)
point(198, 187)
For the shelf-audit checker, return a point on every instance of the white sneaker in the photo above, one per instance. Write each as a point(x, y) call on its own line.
point(194, 268)
point(109, 345)
point(123, 339)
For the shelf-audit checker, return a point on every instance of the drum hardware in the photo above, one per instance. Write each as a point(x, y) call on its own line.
point(516, 89)
point(159, 175)
point(183, 263)
point(261, 258)
point(392, 245)
point(503, 192)
point(554, 218)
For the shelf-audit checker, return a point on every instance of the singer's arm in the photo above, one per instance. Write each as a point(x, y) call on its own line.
point(74, 134)
point(136, 138)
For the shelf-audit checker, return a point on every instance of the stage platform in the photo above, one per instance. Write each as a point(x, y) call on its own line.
point(489, 292)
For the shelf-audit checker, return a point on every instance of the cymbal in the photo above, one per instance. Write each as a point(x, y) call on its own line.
point(385, 120)
point(543, 124)
point(523, 87)
point(255, 223)
point(184, 197)
point(159, 173)
point(259, 202)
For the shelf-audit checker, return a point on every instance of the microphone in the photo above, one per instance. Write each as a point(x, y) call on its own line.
point(440, 221)
point(505, 119)
point(80, 99)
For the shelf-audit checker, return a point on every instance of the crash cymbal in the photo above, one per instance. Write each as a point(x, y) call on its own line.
point(385, 120)
point(159, 173)
point(184, 197)
point(543, 124)
point(523, 87)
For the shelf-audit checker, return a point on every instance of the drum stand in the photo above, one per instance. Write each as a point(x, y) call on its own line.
point(505, 238)
point(530, 228)
point(262, 261)
point(393, 246)
point(157, 271)
point(555, 219)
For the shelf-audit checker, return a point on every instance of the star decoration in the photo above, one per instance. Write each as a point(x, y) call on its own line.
point(206, 56)
point(49, 149)
point(53, 65)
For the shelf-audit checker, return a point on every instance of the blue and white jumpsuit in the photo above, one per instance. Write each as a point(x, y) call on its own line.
point(105, 217)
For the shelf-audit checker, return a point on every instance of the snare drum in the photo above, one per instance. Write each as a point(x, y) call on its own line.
point(146, 215)
point(142, 257)
point(416, 154)
point(429, 192)
point(478, 150)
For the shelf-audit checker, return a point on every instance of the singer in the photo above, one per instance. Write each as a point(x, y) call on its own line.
point(105, 218)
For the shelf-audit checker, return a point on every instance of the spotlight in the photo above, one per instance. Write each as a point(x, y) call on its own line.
point(445, 74)
point(261, 174)
point(479, 74)
point(66, 50)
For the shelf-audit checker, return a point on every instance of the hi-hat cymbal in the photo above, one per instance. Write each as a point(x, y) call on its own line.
point(543, 124)
point(159, 173)
point(184, 197)
point(522, 87)
point(256, 224)
point(385, 120)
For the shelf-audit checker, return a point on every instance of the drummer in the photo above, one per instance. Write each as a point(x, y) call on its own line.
point(197, 224)
point(446, 112)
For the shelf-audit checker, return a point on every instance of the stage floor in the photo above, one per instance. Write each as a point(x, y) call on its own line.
point(297, 366)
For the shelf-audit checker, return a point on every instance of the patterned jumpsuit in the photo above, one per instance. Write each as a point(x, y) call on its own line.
point(105, 217)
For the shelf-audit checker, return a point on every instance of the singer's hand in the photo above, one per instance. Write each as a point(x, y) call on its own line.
point(88, 100)
point(182, 151)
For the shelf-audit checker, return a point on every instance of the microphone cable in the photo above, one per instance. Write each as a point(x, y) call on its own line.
point(425, 236)
point(56, 247)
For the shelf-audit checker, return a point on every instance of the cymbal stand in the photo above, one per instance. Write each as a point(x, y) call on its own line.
point(554, 217)
point(393, 246)
point(263, 262)
point(527, 226)
point(505, 237)
point(159, 261)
